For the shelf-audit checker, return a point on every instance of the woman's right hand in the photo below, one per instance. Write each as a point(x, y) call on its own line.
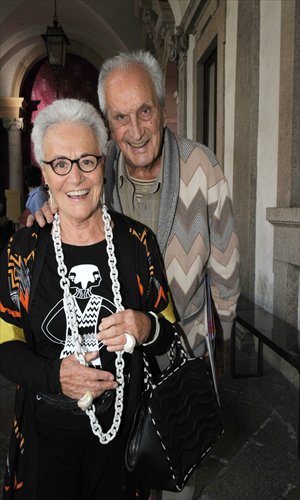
point(76, 379)
point(42, 216)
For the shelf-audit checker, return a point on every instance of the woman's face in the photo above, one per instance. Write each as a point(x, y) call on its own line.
point(77, 194)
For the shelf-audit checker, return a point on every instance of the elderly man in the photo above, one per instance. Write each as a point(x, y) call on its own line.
point(176, 187)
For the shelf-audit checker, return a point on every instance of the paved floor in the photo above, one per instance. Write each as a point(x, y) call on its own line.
point(256, 458)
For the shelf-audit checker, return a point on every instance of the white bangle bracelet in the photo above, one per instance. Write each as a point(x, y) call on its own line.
point(157, 329)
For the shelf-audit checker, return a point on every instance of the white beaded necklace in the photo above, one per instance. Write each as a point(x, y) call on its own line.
point(69, 307)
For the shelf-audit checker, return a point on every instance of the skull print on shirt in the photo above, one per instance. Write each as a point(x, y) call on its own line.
point(89, 307)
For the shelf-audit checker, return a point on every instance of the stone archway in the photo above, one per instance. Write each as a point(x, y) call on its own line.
point(14, 110)
point(41, 87)
point(34, 56)
point(36, 83)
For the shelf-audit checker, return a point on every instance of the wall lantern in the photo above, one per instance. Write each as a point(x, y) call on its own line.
point(56, 42)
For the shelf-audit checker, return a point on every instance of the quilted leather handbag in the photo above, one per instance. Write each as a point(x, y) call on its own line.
point(175, 425)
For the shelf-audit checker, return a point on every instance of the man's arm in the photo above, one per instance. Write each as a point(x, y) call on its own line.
point(223, 265)
point(42, 216)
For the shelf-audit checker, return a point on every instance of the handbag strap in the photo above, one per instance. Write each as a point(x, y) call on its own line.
point(176, 353)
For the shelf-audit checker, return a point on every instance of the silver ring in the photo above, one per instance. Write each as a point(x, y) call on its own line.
point(86, 401)
point(130, 342)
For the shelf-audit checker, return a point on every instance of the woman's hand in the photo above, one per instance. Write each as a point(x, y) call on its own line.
point(76, 379)
point(113, 328)
point(42, 216)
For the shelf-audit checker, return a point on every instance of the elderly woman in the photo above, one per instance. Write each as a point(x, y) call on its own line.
point(79, 302)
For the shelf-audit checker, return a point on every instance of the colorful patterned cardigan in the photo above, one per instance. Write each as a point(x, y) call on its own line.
point(196, 232)
point(142, 288)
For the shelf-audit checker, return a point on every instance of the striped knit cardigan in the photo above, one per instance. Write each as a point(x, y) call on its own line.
point(196, 232)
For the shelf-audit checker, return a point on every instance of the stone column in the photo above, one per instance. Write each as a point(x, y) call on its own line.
point(14, 127)
point(245, 139)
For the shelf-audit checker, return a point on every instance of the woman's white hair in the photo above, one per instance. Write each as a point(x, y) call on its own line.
point(125, 61)
point(67, 110)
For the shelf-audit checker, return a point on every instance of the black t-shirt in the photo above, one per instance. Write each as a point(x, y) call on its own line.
point(91, 287)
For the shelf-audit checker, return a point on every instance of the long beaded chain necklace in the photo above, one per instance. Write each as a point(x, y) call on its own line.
point(70, 311)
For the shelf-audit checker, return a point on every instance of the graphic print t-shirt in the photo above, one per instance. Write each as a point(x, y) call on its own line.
point(91, 287)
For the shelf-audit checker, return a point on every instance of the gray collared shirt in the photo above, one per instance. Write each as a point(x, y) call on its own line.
point(146, 210)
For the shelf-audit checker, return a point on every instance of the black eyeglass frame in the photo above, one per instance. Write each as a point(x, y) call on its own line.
point(77, 160)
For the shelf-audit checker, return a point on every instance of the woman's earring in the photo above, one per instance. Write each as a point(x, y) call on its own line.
point(51, 201)
point(103, 192)
point(46, 187)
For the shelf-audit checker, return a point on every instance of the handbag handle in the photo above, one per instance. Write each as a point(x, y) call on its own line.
point(177, 352)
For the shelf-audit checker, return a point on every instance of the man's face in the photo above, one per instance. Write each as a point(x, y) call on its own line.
point(135, 116)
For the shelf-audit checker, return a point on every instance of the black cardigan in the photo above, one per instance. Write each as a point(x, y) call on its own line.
point(143, 287)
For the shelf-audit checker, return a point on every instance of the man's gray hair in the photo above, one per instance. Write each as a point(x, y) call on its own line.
point(125, 61)
point(67, 110)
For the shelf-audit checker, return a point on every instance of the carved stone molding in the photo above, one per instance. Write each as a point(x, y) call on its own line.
point(286, 222)
point(287, 217)
point(11, 107)
point(178, 45)
point(150, 19)
point(158, 21)
point(15, 123)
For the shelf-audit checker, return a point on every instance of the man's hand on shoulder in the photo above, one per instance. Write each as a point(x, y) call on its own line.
point(42, 216)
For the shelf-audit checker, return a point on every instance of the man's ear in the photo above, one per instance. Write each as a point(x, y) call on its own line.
point(111, 130)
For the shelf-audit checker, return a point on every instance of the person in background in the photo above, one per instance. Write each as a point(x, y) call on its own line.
point(176, 187)
point(7, 226)
point(61, 325)
point(37, 195)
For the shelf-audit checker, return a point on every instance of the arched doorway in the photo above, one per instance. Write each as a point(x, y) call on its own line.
point(41, 87)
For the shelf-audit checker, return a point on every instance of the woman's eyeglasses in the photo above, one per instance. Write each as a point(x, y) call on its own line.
point(62, 166)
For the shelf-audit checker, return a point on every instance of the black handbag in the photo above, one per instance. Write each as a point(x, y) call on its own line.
point(175, 425)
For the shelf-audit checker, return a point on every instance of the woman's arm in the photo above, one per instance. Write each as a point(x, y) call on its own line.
point(152, 325)
point(21, 365)
point(159, 303)
point(18, 361)
point(43, 216)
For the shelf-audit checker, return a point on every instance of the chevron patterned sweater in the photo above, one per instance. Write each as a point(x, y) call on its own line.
point(196, 232)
